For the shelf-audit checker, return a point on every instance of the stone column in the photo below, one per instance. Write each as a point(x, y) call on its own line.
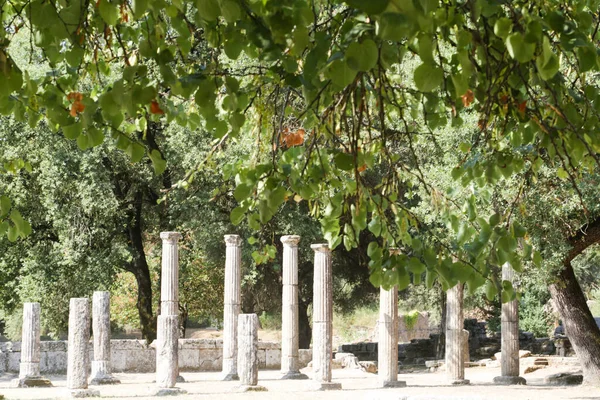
point(232, 303)
point(29, 371)
point(509, 360)
point(167, 333)
point(289, 314)
point(322, 319)
point(455, 362)
point(247, 360)
point(387, 347)
point(101, 330)
point(78, 353)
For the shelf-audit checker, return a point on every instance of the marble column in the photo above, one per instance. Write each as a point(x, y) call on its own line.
point(289, 314)
point(232, 304)
point(509, 360)
point(387, 346)
point(322, 319)
point(247, 360)
point(29, 368)
point(455, 362)
point(101, 334)
point(78, 353)
point(167, 333)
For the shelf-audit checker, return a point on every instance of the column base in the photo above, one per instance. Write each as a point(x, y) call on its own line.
point(229, 376)
point(323, 386)
point(393, 384)
point(249, 388)
point(167, 391)
point(510, 380)
point(31, 381)
point(82, 393)
point(105, 380)
point(294, 375)
point(459, 382)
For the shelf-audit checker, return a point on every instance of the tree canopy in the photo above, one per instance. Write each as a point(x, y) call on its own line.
point(448, 128)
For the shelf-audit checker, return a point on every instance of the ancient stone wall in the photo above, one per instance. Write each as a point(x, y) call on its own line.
point(130, 355)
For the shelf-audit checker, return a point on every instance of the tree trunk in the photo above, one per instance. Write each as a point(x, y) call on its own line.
point(440, 349)
point(139, 267)
point(305, 330)
point(579, 323)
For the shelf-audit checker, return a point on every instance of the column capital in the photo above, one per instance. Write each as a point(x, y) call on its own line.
point(233, 240)
point(321, 247)
point(170, 236)
point(290, 240)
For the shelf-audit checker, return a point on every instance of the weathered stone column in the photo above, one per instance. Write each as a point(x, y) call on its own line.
point(247, 360)
point(167, 334)
point(322, 319)
point(78, 354)
point(455, 362)
point(289, 314)
point(509, 360)
point(387, 347)
point(101, 333)
point(232, 303)
point(29, 371)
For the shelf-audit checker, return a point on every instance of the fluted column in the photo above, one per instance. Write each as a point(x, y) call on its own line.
point(387, 347)
point(101, 334)
point(78, 353)
point(509, 360)
point(232, 303)
point(167, 334)
point(247, 360)
point(289, 314)
point(323, 318)
point(455, 362)
point(29, 371)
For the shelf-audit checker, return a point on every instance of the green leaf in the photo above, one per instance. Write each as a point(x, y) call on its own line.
point(208, 10)
point(428, 77)
point(519, 49)
point(375, 225)
point(158, 162)
point(237, 215)
point(230, 10)
point(72, 131)
point(12, 233)
point(362, 56)
point(242, 191)
point(547, 63)
point(341, 74)
point(369, 6)
point(490, 290)
point(5, 205)
point(344, 161)
point(588, 59)
point(503, 27)
point(135, 151)
point(108, 12)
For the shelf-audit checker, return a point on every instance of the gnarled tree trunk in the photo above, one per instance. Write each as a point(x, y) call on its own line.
point(569, 300)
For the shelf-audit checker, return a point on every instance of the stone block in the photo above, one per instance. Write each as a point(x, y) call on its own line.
point(563, 379)
point(272, 358)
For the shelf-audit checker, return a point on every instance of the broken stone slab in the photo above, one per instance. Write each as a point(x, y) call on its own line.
point(368, 366)
point(531, 369)
point(563, 379)
point(509, 380)
point(82, 393)
point(173, 391)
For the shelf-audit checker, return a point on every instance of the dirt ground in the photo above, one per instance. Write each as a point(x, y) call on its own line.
point(356, 384)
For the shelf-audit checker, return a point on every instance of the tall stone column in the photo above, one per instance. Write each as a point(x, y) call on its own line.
point(29, 371)
point(289, 314)
point(509, 360)
point(78, 353)
point(387, 347)
point(455, 362)
point(232, 304)
point(101, 333)
point(167, 334)
point(247, 360)
point(322, 319)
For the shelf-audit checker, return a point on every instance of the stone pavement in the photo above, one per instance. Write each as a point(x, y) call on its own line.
point(355, 383)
